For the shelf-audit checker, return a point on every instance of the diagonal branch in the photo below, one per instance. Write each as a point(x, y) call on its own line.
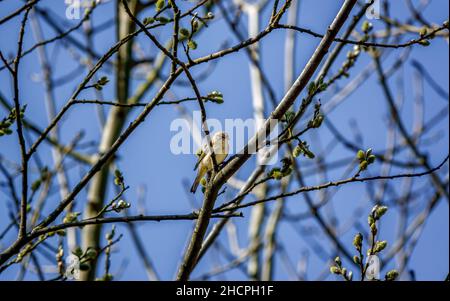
point(193, 249)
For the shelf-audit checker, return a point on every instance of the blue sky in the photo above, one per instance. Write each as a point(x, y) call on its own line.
point(146, 160)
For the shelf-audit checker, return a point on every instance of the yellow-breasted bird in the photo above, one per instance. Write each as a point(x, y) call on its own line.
point(204, 164)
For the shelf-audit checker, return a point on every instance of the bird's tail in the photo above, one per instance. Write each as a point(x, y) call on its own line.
point(196, 182)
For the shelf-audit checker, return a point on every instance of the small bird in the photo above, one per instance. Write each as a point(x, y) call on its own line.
point(205, 163)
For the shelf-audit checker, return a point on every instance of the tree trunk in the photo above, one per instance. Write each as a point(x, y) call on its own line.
point(113, 127)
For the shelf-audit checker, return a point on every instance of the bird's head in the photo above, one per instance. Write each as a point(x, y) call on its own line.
point(220, 136)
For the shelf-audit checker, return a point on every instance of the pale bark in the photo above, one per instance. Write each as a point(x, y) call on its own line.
point(112, 129)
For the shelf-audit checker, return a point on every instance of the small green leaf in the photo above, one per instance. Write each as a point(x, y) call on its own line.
point(192, 44)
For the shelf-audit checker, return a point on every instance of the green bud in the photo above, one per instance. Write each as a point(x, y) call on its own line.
point(296, 152)
point(77, 252)
point(289, 116)
point(338, 261)
point(335, 270)
point(148, 20)
point(363, 165)
point(318, 121)
point(71, 217)
point(366, 27)
point(118, 177)
point(380, 246)
point(215, 96)
point(6, 131)
point(91, 253)
point(195, 25)
point(423, 32)
point(380, 211)
point(184, 32)
point(36, 184)
point(373, 211)
point(61, 232)
point(277, 175)
point(192, 45)
point(312, 88)
point(309, 154)
point(391, 275)
point(162, 19)
point(370, 220)
point(110, 235)
point(356, 259)
point(361, 155)
point(350, 275)
point(425, 43)
point(323, 87)
point(120, 205)
point(357, 241)
point(160, 4)
point(103, 80)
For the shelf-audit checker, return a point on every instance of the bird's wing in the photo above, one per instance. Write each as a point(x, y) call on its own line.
point(203, 154)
